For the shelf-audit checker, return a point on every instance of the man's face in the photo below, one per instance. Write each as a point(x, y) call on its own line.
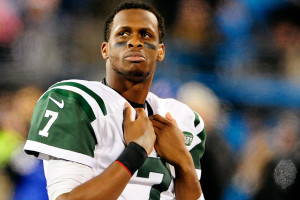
point(133, 47)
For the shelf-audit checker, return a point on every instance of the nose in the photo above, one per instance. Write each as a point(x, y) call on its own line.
point(135, 42)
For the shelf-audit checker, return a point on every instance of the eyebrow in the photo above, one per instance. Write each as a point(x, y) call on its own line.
point(130, 28)
point(124, 27)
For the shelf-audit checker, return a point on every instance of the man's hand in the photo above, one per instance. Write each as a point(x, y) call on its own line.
point(170, 145)
point(139, 130)
point(170, 142)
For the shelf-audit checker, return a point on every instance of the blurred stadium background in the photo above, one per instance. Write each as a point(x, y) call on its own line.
point(236, 62)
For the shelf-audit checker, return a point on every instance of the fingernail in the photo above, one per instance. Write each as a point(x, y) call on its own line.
point(126, 104)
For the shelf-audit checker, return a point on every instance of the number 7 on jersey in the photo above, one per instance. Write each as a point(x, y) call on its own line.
point(53, 116)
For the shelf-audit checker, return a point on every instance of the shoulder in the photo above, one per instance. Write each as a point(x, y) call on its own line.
point(82, 92)
point(168, 105)
point(82, 87)
point(186, 118)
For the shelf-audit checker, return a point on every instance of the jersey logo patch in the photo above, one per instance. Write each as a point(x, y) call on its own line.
point(59, 104)
point(188, 138)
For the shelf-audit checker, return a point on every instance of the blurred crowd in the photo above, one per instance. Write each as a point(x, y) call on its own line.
point(235, 62)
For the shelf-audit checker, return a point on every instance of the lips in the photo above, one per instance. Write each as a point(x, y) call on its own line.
point(135, 57)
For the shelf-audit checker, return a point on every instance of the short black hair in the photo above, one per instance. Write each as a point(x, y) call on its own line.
point(134, 5)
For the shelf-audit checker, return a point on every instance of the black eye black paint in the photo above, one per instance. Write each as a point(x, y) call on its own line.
point(147, 45)
point(120, 44)
point(150, 46)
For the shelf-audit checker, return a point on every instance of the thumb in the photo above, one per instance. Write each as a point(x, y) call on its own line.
point(169, 117)
point(127, 112)
point(140, 112)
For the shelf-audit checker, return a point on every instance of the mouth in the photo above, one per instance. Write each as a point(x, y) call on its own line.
point(135, 57)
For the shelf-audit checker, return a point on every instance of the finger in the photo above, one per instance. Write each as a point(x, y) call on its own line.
point(156, 130)
point(127, 113)
point(159, 118)
point(170, 117)
point(140, 112)
point(157, 124)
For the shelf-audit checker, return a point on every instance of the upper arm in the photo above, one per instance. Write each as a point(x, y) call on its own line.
point(62, 197)
point(195, 142)
point(64, 132)
point(198, 150)
point(63, 176)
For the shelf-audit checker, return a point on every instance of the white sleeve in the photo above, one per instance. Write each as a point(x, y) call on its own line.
point(202, 197)
point(63, 176)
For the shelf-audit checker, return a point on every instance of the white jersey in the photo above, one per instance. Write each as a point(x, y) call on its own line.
point(81, 121)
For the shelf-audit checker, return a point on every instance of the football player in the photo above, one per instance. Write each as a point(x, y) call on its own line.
point(114, 139)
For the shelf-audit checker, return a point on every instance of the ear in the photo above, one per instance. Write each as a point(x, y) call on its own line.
point(104, 50)
point(161, 52)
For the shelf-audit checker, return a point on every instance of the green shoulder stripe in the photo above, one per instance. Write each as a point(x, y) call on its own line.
point(66, 127)
point(79, 99)
point(198, 150)
point(197, 119)
point(98, 99)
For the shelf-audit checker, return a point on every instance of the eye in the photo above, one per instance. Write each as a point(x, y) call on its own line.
point(146, 35)
point(123, 33)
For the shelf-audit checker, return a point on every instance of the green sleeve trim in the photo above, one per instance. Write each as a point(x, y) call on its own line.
point(98, 99)
point(71, 130)
point(197, 119)
point(77, 97)
point(198, 150)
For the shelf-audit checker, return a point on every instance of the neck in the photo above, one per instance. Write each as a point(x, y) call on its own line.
point(131, 91)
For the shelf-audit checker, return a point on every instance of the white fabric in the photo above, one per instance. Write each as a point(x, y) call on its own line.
point(62, 176)
point(202, 197)
point(44, 149)
point(109, 135)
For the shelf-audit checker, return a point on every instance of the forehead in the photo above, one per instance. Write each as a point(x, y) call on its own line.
point(135, 18)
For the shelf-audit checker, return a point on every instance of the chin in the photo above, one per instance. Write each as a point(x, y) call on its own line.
point(137, 76)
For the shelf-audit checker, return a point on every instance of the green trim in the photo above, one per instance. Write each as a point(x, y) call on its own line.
point(198, 150)
point(87, 90)
point(78, 98)
point(202, 135)
point(197, 119)
point(156, 165)
point(72, 129)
